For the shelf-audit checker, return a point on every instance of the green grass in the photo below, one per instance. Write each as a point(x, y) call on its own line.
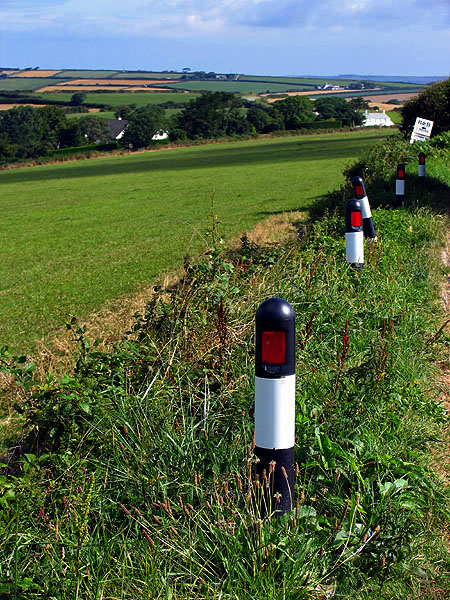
point(236, 86)
point(121, 98)
point(395, 116)
point(145, 75)
point(78, 235)
point(26, 84)
point(103, 114)
point(146, 487)
point(86, 74)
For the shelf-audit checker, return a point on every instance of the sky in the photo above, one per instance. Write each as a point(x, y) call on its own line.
point(261, 37)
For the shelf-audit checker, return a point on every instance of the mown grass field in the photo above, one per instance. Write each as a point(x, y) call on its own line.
point(75, 236)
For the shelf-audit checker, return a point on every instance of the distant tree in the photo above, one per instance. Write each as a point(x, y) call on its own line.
point(265, 119)
point(8, 151)
point(53, 119)
point(332, 107)
point(359, 103)
point(94, 130)
point(78, 98)
point(296, 110)
point(212, 115)
point(143, 124)
point(432, 104)
point(124, 111)
point(25, 130)
point(70, 135)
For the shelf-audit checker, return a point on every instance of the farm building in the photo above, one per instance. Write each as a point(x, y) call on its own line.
point(378, 118)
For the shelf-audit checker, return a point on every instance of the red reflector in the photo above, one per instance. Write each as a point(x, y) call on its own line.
point(359, 190)
point(400, 173)
point(273, 348)
point(421, 160)
point(355, 219)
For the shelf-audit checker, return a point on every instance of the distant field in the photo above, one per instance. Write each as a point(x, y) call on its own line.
point(87, 74)
point(120, 98)
point(85, 87)
point(36, 74)
point(26, 83)
point(75, 236)
point(234, 86)
point(146, 75)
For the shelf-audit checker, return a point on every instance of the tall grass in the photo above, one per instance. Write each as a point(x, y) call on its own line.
point(136, 478)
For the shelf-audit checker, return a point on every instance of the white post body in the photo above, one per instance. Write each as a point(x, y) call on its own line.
point(399, 187)
point(354, 247)
point(421, 170)
point(275, 412)
point(366, 212)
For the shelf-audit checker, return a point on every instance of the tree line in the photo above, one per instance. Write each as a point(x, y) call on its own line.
point(215, 115)
point(27, 132)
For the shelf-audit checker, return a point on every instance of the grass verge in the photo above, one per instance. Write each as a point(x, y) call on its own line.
point(136, 476)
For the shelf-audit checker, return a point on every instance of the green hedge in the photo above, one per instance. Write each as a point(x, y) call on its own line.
point(78, 149)
point(322, 125)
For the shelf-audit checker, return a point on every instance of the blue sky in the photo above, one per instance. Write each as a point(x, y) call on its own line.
point(277, 37)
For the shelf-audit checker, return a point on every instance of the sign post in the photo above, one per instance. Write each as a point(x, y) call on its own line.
point(400, 185)
point(275, 404)
point(360, 194)
point(422, 130)
point(354, 237)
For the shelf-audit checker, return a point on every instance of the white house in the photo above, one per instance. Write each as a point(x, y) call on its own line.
point(379, 118)
point(117, 129)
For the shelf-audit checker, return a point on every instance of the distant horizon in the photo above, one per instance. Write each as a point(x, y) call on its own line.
point(398, 78)
point(281, 37)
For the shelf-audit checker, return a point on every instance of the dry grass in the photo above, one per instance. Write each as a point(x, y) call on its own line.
point(8, 106)
point(34, 73)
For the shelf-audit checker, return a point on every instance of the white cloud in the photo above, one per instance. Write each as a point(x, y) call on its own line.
point(186, 17)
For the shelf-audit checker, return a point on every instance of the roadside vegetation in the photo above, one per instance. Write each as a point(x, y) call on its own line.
point(134, 475)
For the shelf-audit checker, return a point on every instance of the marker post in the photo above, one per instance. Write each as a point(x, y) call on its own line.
point(361, 195)
point(354, 236)
point(275, 404)
point(400, 185)
point(422, 164)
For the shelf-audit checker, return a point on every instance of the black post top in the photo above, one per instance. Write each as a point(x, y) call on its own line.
point(358, 187)
point(275, 327)
point(353, 216)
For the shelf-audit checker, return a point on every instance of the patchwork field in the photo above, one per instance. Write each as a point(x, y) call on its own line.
point(35, 73)
point(114, 82)
point(77, 236)
point(87, 87)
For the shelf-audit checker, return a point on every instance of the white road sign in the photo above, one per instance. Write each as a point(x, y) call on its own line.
point(422, 130)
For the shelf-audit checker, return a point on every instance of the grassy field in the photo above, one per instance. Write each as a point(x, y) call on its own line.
point(121, 98)
point(237, 86)
point(75, 236)
point(27, 84)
